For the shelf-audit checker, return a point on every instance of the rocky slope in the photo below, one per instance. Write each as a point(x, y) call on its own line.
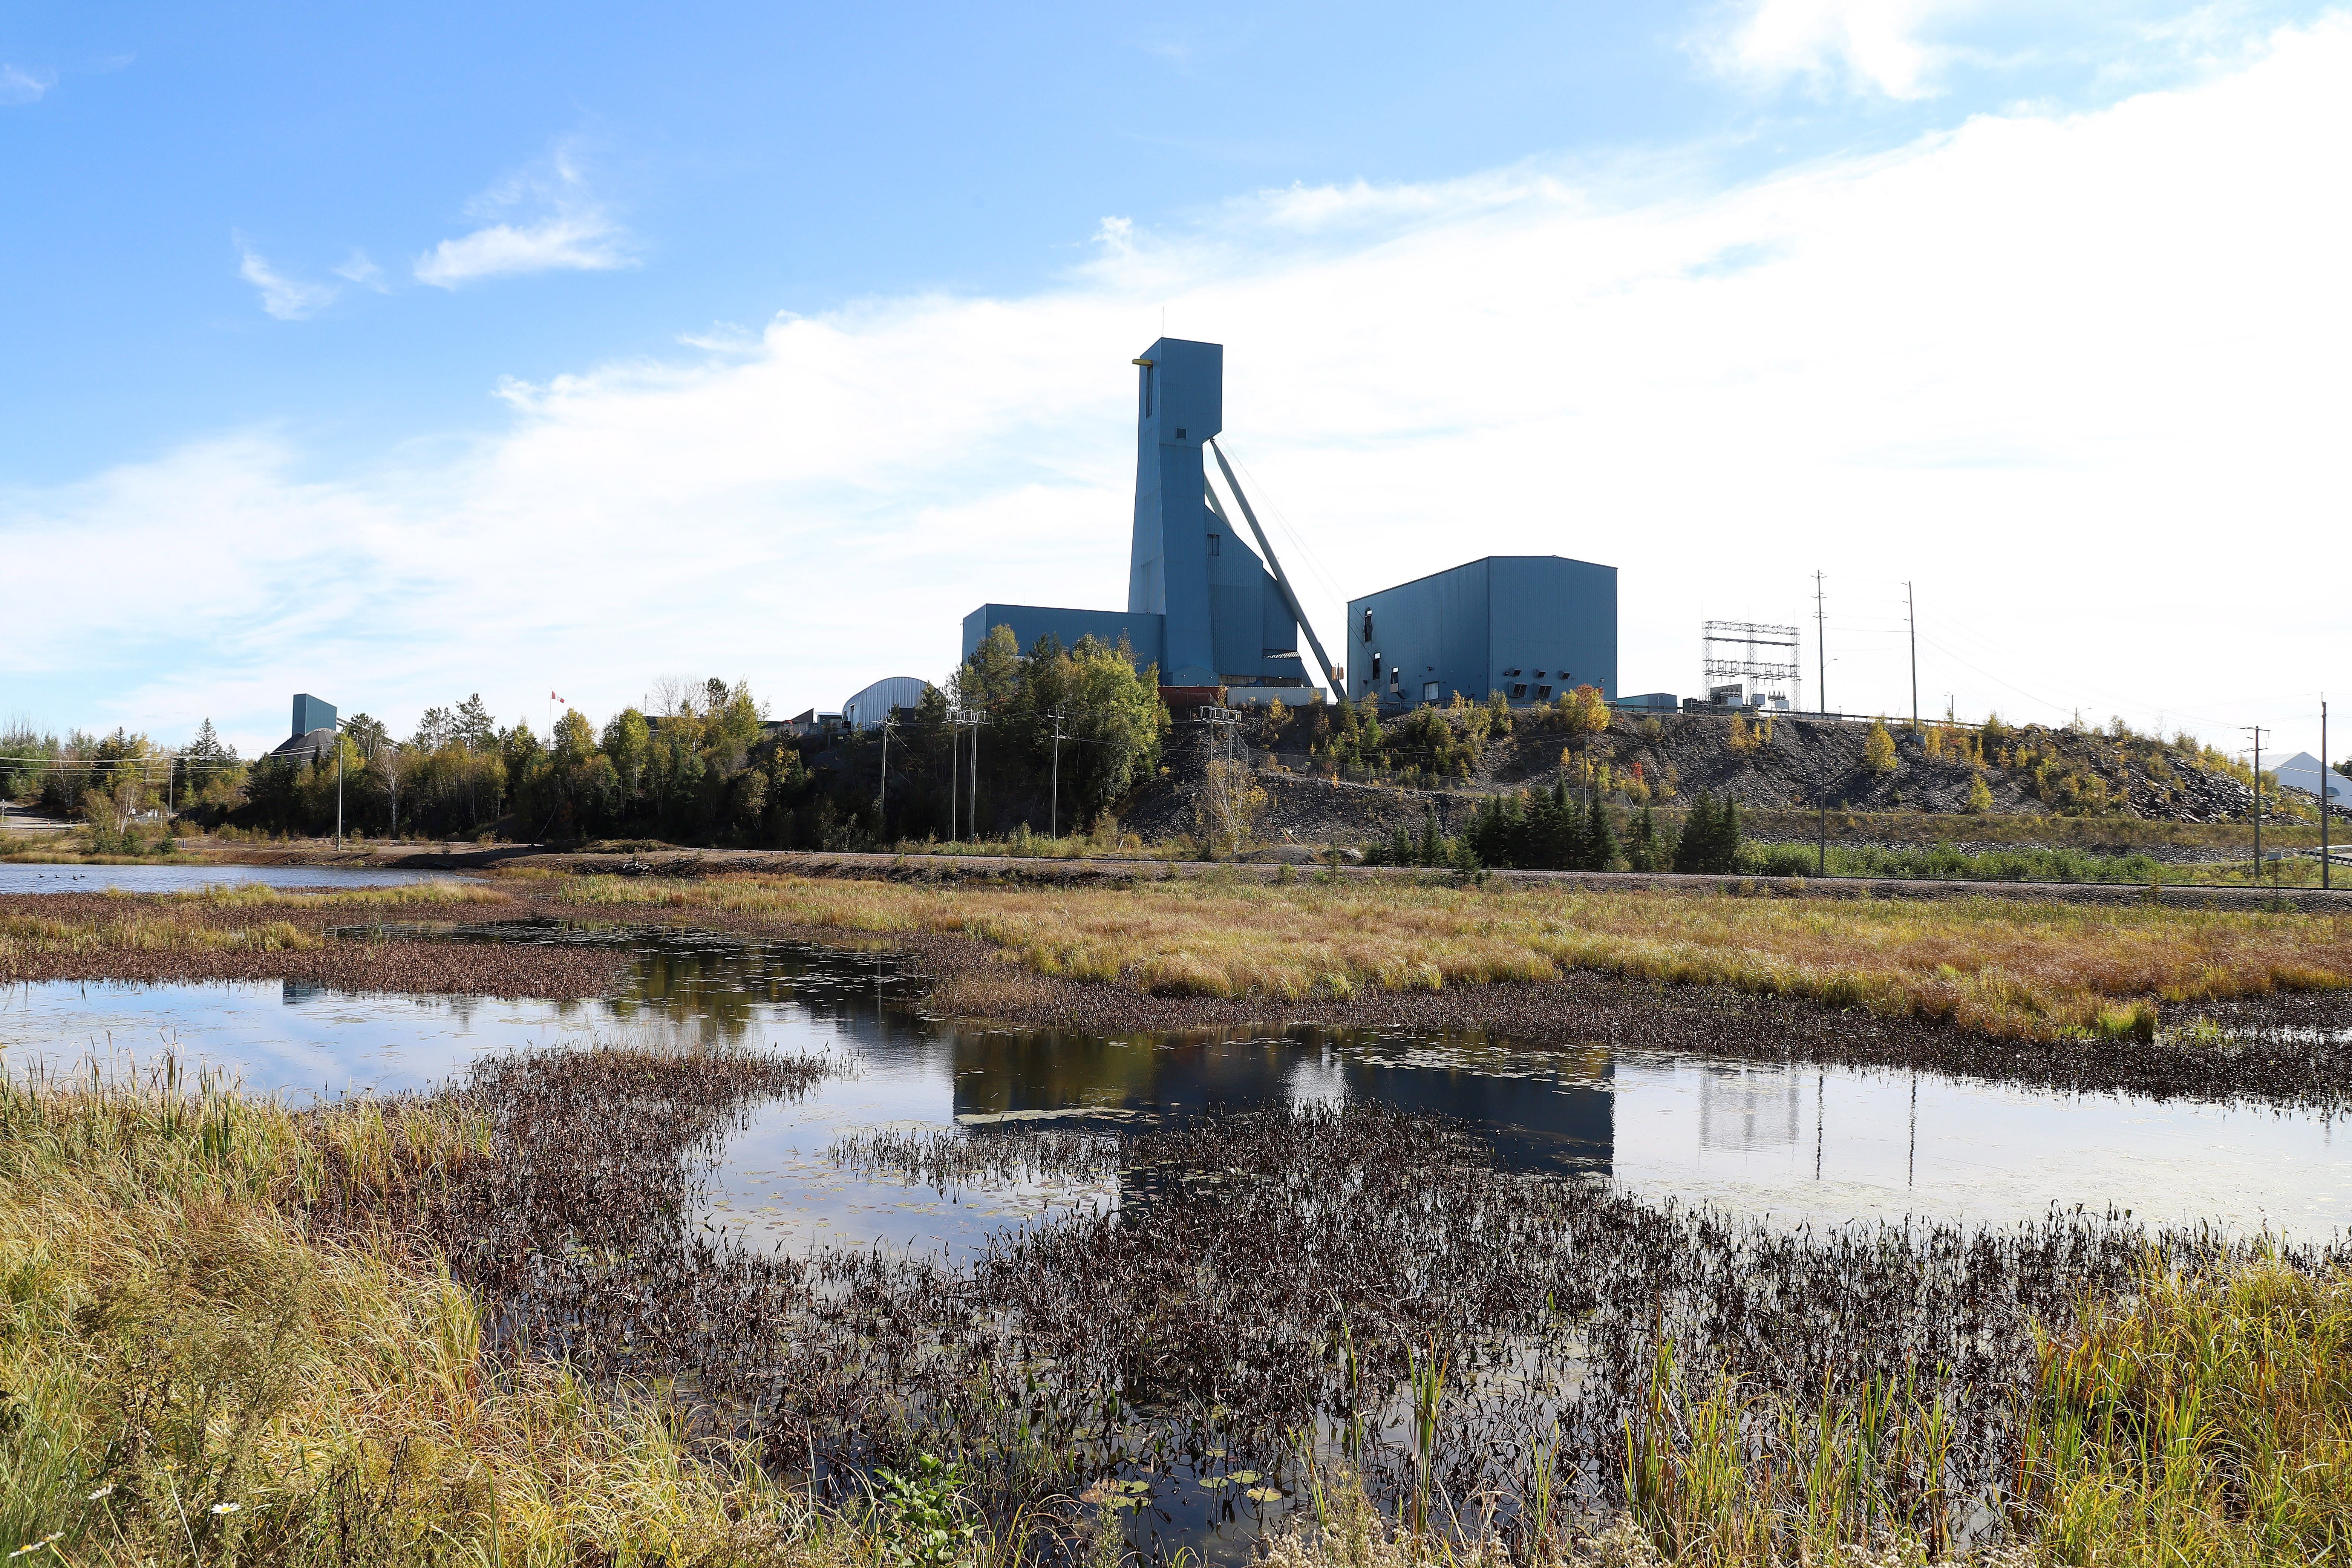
point(1327, 786)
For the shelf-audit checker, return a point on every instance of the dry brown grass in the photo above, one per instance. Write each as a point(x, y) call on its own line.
point(209, 919)
point(188, 1377)
point(2011, 968)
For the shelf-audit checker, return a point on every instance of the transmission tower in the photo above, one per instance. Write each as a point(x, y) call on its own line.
point(1761, 658)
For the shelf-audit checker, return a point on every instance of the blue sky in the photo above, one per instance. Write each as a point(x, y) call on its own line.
point(401, 355)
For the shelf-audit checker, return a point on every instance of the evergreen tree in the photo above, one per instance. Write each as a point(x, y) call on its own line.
point(208, 747)
point(1600, 837)
point(1695, 850)
point(1556, 841)
point(1642, 854)
point(1400, 846)
point(473, 726)
point(1433, 842)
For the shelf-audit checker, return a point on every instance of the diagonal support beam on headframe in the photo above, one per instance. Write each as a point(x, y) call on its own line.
point(1281, 579)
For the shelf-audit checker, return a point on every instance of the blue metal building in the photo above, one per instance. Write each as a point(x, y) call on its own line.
point(1029, 622)
point(1200, 603)
point(870, 707)
point(1530, 626)
point(309, 714)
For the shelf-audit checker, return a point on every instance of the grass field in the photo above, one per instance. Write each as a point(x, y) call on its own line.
point(1947, 862)
point(190, 1378)
point(217, 919)
point(2011, 968)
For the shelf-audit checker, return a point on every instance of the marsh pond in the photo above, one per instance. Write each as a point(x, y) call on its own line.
point(1166, 1277)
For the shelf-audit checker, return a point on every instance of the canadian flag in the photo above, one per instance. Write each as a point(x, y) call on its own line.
point(551, 696)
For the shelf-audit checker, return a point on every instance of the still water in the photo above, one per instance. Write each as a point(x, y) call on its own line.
point(1805, 1143)
point(78, 879)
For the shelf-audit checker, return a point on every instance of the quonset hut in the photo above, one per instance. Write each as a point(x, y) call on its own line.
point(1201, 604)
point(875, 703)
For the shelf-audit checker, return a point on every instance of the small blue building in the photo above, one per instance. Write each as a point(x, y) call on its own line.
point(314, 730)
point(1031, 622)
point(1530, 626)
point(309, 714)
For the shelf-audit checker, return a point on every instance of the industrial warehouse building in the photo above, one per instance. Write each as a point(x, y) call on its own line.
point(314, 730)
point(1211, 612)
point(1530, 626)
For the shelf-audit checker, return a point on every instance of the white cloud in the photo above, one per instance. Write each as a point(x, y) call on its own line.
point(1877, 44)
point(359, 269)
point(288, 298)
point(19, 84)
point(554, 228)
point(2075, 376)
point(583, 243)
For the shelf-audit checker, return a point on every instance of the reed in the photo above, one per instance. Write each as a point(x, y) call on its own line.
point(2203, 1419)
point(191, 1376)
point(2009, 969)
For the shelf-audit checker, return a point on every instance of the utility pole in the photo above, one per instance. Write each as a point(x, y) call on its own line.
point(976, 718)
point(1054, 822)
point(1821, 672)
point(338, 784)
point(955, 769)
point(1821, 653)
point(2324, 857)
point(2256, 729)
point(882, 803)
point(1911, 609)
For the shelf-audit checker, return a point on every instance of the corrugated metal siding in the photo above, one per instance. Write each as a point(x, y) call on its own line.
point(869, 708)
point(1467, 627)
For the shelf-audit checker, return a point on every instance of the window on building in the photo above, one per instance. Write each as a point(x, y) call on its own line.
point(1376, 667)
point(1519, 689)
point(1543, 693)
point(1509, 672)
point(1212, 544)
point(1368, 623)
point(1538, 675)
point(1147, 390)
point(1180, 432)
point(1393, 676)
point(1429, 691)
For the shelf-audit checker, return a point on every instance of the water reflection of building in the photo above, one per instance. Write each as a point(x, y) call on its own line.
point(1742, 1108)
point(1553, 1108)
point(1542, 1107)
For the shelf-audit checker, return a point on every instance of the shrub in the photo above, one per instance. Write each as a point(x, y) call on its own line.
point(1878, 749)
point(1783, 860)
